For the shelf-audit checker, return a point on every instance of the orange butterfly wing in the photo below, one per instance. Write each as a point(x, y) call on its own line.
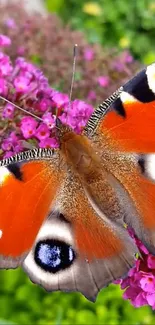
point(127, 118)
point(103, 250)
point(124, 128)
point(25, 203)
point(136, 131)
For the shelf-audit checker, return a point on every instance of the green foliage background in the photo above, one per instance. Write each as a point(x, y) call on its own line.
point(118, 23)
point(22, 302)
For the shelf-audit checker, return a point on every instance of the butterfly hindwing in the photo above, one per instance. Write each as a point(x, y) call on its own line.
point(76, 249)
point(136, 193)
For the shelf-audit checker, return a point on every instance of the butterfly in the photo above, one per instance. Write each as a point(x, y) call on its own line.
point(63, 211)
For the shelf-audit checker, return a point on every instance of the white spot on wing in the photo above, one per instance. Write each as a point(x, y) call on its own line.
point(150, 72)
point(1, 233)
point(127, 98)
point(150, 166)
point(55, 229)
point(4, 173)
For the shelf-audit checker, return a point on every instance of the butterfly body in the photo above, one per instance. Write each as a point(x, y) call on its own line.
point(84, 158)
point(79, 153)
point(63, 211)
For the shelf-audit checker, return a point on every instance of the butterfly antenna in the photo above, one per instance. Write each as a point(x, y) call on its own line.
point(73, 73)
point(72, 83)
point(21, 109)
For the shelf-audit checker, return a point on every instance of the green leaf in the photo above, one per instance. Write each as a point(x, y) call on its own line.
point(54, 5)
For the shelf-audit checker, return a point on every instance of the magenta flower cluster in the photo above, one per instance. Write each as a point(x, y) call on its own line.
point(25, 85)
point(139, 285)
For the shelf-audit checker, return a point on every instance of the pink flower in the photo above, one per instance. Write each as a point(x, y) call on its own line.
point(4, 40)
point(13, 137)
point(49, 120)
point(151, 261)
point(147, 283)
point(10, 23)
point(43, 104)
point(60, 99)
point(125, 57)
point(137, 297)
point(22, 84)
point(8, 111)
point(139, 300)
point(121, 62)
point(89, 54)
point(129, 292)
point(77, 116)
point(139, 285)
point(10, 143)
point(6, 145)
point(91, 95)
point(8, 154)
point(150, 298)
point(25, 66)
point(128, 58)
point(3, 87)
point(28, 127)
point(103, 81)
point(42, 132)
point(141, 246)
point(118, 65)
point(18, 148)
point(21, 62)
point(49, 143)
point(5, 65)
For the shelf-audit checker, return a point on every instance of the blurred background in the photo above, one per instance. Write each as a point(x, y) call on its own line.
point(115, 38)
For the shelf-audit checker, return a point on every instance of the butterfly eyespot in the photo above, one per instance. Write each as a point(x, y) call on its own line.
point(53, 255)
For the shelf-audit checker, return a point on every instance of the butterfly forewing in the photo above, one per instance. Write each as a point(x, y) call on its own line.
point(128, 122)
point(126, 134)
point(27, 190)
